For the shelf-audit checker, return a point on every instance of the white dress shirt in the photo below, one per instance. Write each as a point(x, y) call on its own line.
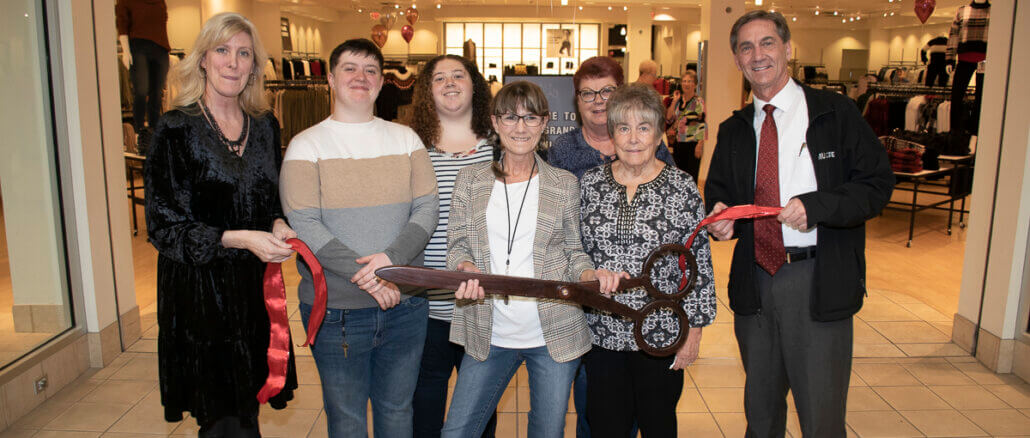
point(797, 173)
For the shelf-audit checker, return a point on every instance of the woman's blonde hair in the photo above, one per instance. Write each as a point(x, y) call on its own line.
point(189, 78)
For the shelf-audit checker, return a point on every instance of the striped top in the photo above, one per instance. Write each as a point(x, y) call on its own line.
point(446, 166)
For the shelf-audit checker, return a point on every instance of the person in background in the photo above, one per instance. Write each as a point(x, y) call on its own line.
point(686, 115)
point(212, 208)
point(795, 282)
point(360, 192)
point(518, 216)
point(629, 208)
point(648, 72)
point(590, 145)
point(452, 117)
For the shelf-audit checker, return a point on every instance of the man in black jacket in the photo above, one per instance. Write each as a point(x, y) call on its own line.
point(795, 281)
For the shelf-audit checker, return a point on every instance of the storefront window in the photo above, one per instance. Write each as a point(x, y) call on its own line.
point(524, 48)
point(34, 299)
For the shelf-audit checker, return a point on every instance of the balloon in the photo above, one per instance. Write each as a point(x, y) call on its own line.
point(411, 15)
point(388, 18)
point(407, 32)
point(379, 34)
point(374, 15)
point(924, 8)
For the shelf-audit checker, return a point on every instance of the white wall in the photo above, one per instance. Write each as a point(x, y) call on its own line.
point(813, 46)
point(183, 23)
point(904, 43)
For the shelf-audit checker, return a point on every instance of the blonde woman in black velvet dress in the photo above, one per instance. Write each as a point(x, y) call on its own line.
point(213, 213)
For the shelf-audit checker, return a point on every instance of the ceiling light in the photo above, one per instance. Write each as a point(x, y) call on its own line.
point(851, 18)
point(816, 12)
point(625, 8)
point(414, 6)
point(843, 20)
point(622, 31)
point(564, 2)
point(581, 8)
point(396, 6)
point(609, 8)
point(758, 2)
point(858, 18)
point(892, 13)
point(794, 19)
point(884, 14)
point(834, 13)
point(359, 10)
point(437, 6)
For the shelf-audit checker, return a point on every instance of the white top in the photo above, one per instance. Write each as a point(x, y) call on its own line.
point(517, 323)
point(331, 139)
point(797, 173)
point(912, 112)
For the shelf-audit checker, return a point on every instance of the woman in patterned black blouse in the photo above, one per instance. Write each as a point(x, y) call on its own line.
point(628, 208)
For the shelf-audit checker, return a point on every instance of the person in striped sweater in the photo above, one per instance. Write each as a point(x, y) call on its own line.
point(360, 193)
point(452, 117)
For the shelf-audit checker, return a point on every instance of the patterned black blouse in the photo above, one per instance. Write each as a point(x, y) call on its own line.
point(618, 235)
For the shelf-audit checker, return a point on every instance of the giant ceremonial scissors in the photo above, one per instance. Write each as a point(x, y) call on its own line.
point(588, 293)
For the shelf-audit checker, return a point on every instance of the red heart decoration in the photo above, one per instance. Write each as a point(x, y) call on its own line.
point(411, 15)
point(379, 34)
point(374, 16)
point(924, 9)
point(407, 32)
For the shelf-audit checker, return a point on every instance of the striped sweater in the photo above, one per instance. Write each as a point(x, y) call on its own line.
point(354, 189)
point(967, 40)
point(446, 166)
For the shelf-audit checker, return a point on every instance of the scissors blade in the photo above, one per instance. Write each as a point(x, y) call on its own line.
point(491, 283)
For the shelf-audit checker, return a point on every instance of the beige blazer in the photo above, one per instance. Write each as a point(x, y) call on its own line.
point(557, 255)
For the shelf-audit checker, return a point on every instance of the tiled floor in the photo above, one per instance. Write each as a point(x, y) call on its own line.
point(907, 379)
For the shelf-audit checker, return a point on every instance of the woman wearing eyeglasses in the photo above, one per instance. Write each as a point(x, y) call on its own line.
point(590, 145)
point(517, 216)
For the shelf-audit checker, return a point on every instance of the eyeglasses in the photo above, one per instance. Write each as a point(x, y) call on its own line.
point(531, 120)
point(588, 95)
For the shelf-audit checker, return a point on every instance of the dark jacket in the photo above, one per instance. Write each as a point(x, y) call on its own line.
point(854, 183)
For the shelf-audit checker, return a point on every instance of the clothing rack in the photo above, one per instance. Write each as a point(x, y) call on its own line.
point(278, 83)
point(292, 54)
point(914, 90)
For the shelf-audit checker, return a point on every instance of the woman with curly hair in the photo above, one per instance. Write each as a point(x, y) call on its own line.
point(452, 116)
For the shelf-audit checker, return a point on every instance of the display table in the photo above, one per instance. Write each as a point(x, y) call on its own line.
point(931, 182)
point(133, 167)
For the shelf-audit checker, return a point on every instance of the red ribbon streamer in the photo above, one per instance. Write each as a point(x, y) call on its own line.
point(279, 332)
point(748, 211)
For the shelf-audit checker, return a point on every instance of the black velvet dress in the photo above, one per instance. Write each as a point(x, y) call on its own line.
point(214, 328)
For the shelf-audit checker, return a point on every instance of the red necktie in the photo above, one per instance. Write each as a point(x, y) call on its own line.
point(769, 251)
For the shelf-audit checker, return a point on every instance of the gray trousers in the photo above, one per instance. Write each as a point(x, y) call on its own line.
point(783, 348)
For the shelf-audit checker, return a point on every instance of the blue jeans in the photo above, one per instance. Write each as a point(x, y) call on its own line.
point(480, 385)
point(380, 363)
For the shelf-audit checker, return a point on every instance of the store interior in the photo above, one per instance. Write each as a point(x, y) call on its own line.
point(879, 51)
point(509, 39)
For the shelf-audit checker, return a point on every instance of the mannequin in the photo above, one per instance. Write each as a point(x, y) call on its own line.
point(143, 33)
point(967, 44)
point(934, 56)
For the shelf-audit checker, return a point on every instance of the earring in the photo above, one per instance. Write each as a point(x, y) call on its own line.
point(251, 80)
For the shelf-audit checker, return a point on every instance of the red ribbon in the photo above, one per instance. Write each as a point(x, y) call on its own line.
point(279, 332)
point(748, 211)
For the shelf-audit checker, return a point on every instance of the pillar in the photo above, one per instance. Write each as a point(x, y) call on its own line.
point(722, 82)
